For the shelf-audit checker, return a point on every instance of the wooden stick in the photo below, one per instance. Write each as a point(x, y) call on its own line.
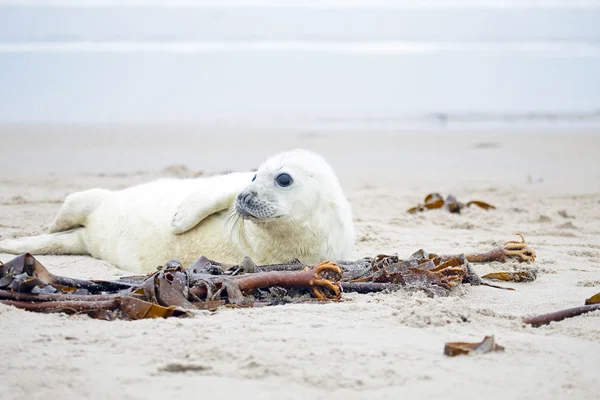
point(92, 286)
point(5, 294)
point(64, 306)
point(544, 319)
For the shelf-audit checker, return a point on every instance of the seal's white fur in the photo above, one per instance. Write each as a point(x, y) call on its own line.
point(144, 226)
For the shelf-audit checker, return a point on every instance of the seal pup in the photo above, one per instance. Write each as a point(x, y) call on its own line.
point(293, 207)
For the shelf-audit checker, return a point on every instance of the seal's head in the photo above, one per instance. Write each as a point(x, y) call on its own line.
point(297, 195)
point(290, 185)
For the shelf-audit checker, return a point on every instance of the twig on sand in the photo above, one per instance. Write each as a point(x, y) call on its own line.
point(556, 316)
point(66, 306)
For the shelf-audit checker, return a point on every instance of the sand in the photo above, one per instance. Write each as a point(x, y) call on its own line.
point(546, 185)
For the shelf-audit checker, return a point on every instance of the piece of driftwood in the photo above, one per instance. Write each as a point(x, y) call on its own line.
point(556, 316)
point(591, 304)
point(174, 290)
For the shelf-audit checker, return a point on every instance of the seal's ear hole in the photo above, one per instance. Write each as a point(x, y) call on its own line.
point(253, 178)
point(283, 180)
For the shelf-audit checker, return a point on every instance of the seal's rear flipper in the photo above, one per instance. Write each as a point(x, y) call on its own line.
point(76, 208)
point(68, 242)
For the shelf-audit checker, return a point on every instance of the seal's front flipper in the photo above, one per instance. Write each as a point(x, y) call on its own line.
point(216, 194)
point(69, 242)
point(195, 208)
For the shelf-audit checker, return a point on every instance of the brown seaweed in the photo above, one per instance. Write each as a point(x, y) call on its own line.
point(487, 345)
point(322, 280)
point(139, 309)
point(118, 307)
point(24, 272)
point(512, 249)
point(595, 299)
point(514, 276)
point(435, 201)
point(207, 285)
point(369, 287)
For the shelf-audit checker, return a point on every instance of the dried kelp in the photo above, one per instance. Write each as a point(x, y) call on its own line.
point(174, 290)
point(24, 273)
point(435, 200)
point(512, 249)
point(171, 291)
point(595, 299)
point(134, 308)
point(369, 287)
point(26, 283)
point(432, 275)
point(513, 276)
point(487, 345)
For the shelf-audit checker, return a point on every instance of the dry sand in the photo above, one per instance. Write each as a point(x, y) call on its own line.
point(370, 346)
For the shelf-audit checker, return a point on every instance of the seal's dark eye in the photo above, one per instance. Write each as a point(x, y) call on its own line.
point(253, 178)
point(283, 180)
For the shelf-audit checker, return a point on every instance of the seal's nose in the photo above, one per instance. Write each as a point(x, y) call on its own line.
point(246, 196)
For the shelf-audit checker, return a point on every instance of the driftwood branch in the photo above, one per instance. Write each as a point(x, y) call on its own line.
point(545, 319)
point(67, 306)
point(5, 294)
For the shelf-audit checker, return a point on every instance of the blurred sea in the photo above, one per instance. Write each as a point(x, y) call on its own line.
point(310, 64)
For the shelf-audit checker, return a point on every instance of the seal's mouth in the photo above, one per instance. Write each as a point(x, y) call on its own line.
point(245, 213)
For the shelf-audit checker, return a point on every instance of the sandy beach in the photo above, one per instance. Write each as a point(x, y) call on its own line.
point(545, 185)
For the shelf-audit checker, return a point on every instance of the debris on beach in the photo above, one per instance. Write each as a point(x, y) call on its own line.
point(435, 200)
point(175, 291)
point(595, 299)
point(487, 345)
point(565, 214)
point(591, 304)
point(545, 319)
point(511, 249)
point(515, 276)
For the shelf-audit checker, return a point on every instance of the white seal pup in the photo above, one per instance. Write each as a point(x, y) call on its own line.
point(293, 207)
